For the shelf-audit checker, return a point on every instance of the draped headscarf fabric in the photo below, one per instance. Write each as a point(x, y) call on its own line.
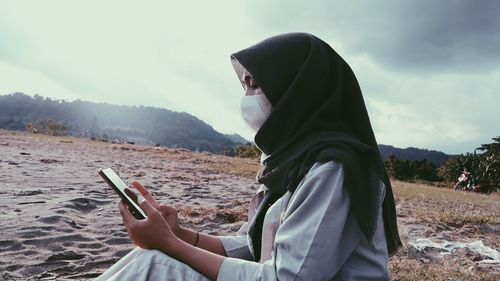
point(318, 115)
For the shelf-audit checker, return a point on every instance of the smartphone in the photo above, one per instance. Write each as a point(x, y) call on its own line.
point(125, 193)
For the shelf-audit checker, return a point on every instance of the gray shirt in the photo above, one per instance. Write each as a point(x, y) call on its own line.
point(309, 235)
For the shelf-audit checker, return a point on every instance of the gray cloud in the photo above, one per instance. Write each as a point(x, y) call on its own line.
point(428, 69)
point(424, 35)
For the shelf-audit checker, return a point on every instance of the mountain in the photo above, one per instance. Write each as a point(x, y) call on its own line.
point(413, 154)
point(145, 125)
point(236, 138)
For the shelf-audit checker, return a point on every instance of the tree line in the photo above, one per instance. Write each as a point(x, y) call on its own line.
point(163, 127)
point(407, 170)
point(483, 165)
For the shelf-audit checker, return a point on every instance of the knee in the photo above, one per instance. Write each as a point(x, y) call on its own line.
point(158, 265)
point(155, 256)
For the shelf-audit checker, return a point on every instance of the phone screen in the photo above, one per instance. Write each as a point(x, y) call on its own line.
point(115, 182)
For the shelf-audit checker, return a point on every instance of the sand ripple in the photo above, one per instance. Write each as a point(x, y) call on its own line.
point(60, 220)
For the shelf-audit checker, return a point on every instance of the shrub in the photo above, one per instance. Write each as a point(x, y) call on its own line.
point(248, 150)
point(484, 167)
point(48, 127)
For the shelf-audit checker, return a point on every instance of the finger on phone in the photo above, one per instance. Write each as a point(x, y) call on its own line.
point(145, 193)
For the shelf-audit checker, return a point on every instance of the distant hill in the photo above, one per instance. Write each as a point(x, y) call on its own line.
point(413, 154)
point(145, 125)
point(237, 138)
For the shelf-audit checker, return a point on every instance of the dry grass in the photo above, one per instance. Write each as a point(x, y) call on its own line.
point(409, 269)
point(445, 205)
point(223, 220)
point(218, 215)
point(244, 167)
point(462, 214)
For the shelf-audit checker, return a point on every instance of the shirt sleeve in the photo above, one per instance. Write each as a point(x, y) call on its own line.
point(237, 246)
point(316, 237)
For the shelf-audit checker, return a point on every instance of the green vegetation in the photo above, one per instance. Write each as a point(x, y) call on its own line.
point(484, 167)
point(411, 170)
point(48, 127)
point(248, 150)
point(414, 154)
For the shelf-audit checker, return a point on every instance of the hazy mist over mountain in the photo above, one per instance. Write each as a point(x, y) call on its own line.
point(143, 125)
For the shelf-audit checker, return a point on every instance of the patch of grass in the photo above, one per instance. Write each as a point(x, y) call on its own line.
point(406, 269)
point(237, 166)
point(218, 215)
point(244, 167)
point(454, 208)
point(462, 213)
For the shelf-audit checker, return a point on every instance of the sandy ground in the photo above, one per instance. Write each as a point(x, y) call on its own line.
point(59, 219)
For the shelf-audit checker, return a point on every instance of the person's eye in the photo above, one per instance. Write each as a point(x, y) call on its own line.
point(253, 84)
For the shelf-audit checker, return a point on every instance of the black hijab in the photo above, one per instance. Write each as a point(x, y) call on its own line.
point(318, 115)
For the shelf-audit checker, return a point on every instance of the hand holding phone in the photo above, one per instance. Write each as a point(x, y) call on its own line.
point(127, 195)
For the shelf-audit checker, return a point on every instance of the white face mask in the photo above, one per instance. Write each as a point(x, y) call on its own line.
point(255, 109)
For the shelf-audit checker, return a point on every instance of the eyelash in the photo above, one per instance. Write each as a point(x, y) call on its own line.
point(251, 83)
point(254, 86)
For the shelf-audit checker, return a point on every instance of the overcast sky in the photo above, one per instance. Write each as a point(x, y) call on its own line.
point(429, 70)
